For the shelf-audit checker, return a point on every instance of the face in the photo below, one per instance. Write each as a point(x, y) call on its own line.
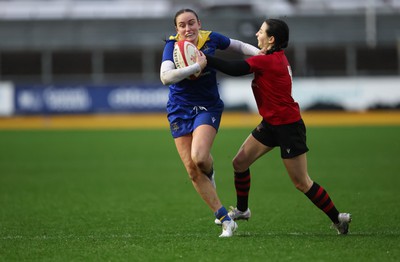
point(264, 41)
point(187, 26)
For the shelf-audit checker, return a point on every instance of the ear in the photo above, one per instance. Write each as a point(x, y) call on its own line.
point(271, 40)
point(199, 24)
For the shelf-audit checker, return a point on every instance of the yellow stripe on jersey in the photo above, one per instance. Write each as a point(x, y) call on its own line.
point(204, 36)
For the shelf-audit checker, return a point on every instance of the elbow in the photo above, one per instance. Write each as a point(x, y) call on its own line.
point(166, 83)
point(164, 80)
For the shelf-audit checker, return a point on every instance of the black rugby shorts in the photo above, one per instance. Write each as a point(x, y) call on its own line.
point(291, 138)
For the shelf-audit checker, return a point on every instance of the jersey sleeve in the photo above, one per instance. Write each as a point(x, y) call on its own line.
point(168, 51)
point(257, 63)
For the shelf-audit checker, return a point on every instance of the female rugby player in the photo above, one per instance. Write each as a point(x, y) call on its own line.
point(281, 125)
point(194, 106)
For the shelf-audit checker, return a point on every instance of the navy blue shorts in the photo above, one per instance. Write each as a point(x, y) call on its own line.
point(291, 138)
point(184, 120)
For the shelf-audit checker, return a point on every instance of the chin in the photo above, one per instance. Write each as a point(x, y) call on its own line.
point(192, 40)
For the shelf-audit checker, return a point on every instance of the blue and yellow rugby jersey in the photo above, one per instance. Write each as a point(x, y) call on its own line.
point(204, 90)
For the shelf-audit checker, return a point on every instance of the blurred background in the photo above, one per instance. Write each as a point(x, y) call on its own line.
point(103, 56)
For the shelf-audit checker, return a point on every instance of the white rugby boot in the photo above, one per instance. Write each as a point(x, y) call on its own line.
point(228, 227)
point(343, 226)
point(236, 214)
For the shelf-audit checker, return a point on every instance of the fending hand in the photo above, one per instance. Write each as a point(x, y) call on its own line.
point(263, 51)
point(201, 59)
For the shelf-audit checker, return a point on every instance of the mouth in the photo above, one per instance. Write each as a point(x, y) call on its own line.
point(190, 35)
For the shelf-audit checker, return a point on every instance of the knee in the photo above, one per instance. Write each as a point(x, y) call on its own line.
point(201, 161)
point(239, 165)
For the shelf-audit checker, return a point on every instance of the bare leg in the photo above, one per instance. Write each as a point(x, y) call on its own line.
point(194, 151)
point(249, 152)
point(297, 170)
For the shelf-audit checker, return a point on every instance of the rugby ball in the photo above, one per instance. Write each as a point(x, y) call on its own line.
point(185, 54)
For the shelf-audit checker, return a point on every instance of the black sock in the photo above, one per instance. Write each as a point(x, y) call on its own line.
point(242, 185)
point(321, 199)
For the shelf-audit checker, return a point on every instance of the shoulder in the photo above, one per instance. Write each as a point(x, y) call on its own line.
point(222, 40)
point(169, 44)
point(267, 57)
point(258, 58)
point(281, 56)
point(218, 36)
point(170, 41)
point(260, 62)
point(168, 50)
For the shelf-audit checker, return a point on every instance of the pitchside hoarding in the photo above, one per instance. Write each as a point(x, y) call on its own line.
point(352, 94)
point(89, 99)
point(347, 93)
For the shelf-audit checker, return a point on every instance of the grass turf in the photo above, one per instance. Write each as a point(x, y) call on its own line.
point(123, 195)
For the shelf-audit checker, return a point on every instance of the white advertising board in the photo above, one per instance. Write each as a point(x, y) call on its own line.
point(351, 93)
point(6, 99)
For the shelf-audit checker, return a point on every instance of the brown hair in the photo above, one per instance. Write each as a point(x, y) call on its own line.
point(185, 10)
point(280, 31)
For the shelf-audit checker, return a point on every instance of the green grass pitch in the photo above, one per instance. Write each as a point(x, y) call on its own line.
point(123, 195)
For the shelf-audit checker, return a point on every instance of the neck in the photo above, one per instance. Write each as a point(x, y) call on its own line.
point(273, 49)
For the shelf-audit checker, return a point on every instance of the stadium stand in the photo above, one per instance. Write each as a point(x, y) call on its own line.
point(99, 41)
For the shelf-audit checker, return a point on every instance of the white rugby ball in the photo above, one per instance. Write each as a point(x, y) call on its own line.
point(185, 54)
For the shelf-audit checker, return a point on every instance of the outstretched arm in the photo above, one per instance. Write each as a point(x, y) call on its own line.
point(233, 68)
point(243, 48)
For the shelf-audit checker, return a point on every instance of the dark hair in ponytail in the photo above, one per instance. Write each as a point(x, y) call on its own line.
point(280, 31)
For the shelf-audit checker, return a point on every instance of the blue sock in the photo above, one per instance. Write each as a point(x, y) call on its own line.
point(222, 214)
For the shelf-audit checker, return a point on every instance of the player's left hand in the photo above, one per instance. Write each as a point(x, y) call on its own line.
point(263, 51)
point(201, 59)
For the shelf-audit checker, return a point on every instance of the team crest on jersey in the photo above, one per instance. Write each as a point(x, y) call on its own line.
point(205, 48)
